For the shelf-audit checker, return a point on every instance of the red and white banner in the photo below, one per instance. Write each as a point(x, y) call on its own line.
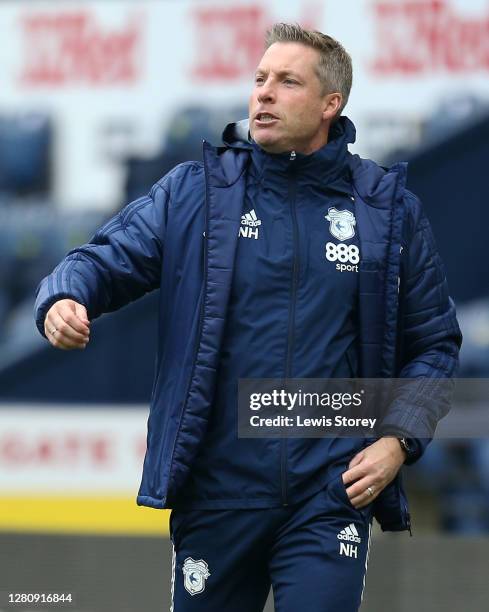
point(430, 38)
point(71, 450)
point(113, 73)
point(72, 47)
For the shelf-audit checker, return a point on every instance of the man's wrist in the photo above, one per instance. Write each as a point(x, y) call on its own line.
point(411, 446)
point(402, 444)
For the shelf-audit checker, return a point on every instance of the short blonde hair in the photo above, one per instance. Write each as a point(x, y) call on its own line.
point(334, 69)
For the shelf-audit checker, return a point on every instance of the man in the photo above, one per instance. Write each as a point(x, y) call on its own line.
point(245, 249)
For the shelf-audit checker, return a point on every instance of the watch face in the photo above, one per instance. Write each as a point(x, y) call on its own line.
point(405, 445)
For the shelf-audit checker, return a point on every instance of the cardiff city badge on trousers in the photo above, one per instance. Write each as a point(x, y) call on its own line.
point(195, 574)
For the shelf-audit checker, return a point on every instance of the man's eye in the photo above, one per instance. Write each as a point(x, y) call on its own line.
point(290, 81)
point(259, 80)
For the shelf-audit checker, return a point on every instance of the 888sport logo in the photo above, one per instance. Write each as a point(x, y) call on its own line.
point(347, 256)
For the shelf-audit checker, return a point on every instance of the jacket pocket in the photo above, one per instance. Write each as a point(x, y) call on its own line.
point(391, 508)
point(338, 489)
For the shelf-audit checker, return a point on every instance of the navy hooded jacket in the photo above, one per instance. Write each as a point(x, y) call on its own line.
point(183, 236)
point(291, 314)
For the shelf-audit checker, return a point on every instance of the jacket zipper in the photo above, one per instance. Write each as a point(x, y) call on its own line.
point(291, 322)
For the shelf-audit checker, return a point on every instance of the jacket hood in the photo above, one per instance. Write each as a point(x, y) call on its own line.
point(237, 135)
point(374, 183)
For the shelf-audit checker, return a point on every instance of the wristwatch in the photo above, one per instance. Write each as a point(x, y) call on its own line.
point(406, 446)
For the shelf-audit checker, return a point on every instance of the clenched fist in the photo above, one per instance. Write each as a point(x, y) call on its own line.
point(67, 326)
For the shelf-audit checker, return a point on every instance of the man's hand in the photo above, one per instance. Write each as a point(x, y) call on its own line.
point(374, 467)
point(67, 326)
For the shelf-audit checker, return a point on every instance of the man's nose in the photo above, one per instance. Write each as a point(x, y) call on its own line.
point(266, 93)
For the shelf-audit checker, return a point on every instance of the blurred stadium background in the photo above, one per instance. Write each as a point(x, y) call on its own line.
point(98, 99)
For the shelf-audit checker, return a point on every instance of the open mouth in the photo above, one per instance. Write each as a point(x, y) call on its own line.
point(265, 118)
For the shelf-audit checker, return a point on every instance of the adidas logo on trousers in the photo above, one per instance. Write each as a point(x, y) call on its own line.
point(350, 534)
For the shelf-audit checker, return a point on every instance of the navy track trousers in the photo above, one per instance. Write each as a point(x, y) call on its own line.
point(313, 554)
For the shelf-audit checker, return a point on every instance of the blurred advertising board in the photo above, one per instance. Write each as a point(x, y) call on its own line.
point(114, 73)
point(73, 469)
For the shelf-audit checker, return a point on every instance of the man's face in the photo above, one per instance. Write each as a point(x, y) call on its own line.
point(287, 108)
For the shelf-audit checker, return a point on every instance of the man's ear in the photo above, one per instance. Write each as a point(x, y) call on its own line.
point(332, 104)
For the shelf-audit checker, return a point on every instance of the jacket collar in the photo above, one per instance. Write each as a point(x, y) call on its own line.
point(326, 167)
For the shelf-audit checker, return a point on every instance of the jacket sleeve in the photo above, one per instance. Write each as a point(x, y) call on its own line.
point(429, 337)
point(120, 263)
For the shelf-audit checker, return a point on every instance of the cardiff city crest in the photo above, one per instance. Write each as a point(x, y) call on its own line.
point(341, 223)
point(195, 574)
